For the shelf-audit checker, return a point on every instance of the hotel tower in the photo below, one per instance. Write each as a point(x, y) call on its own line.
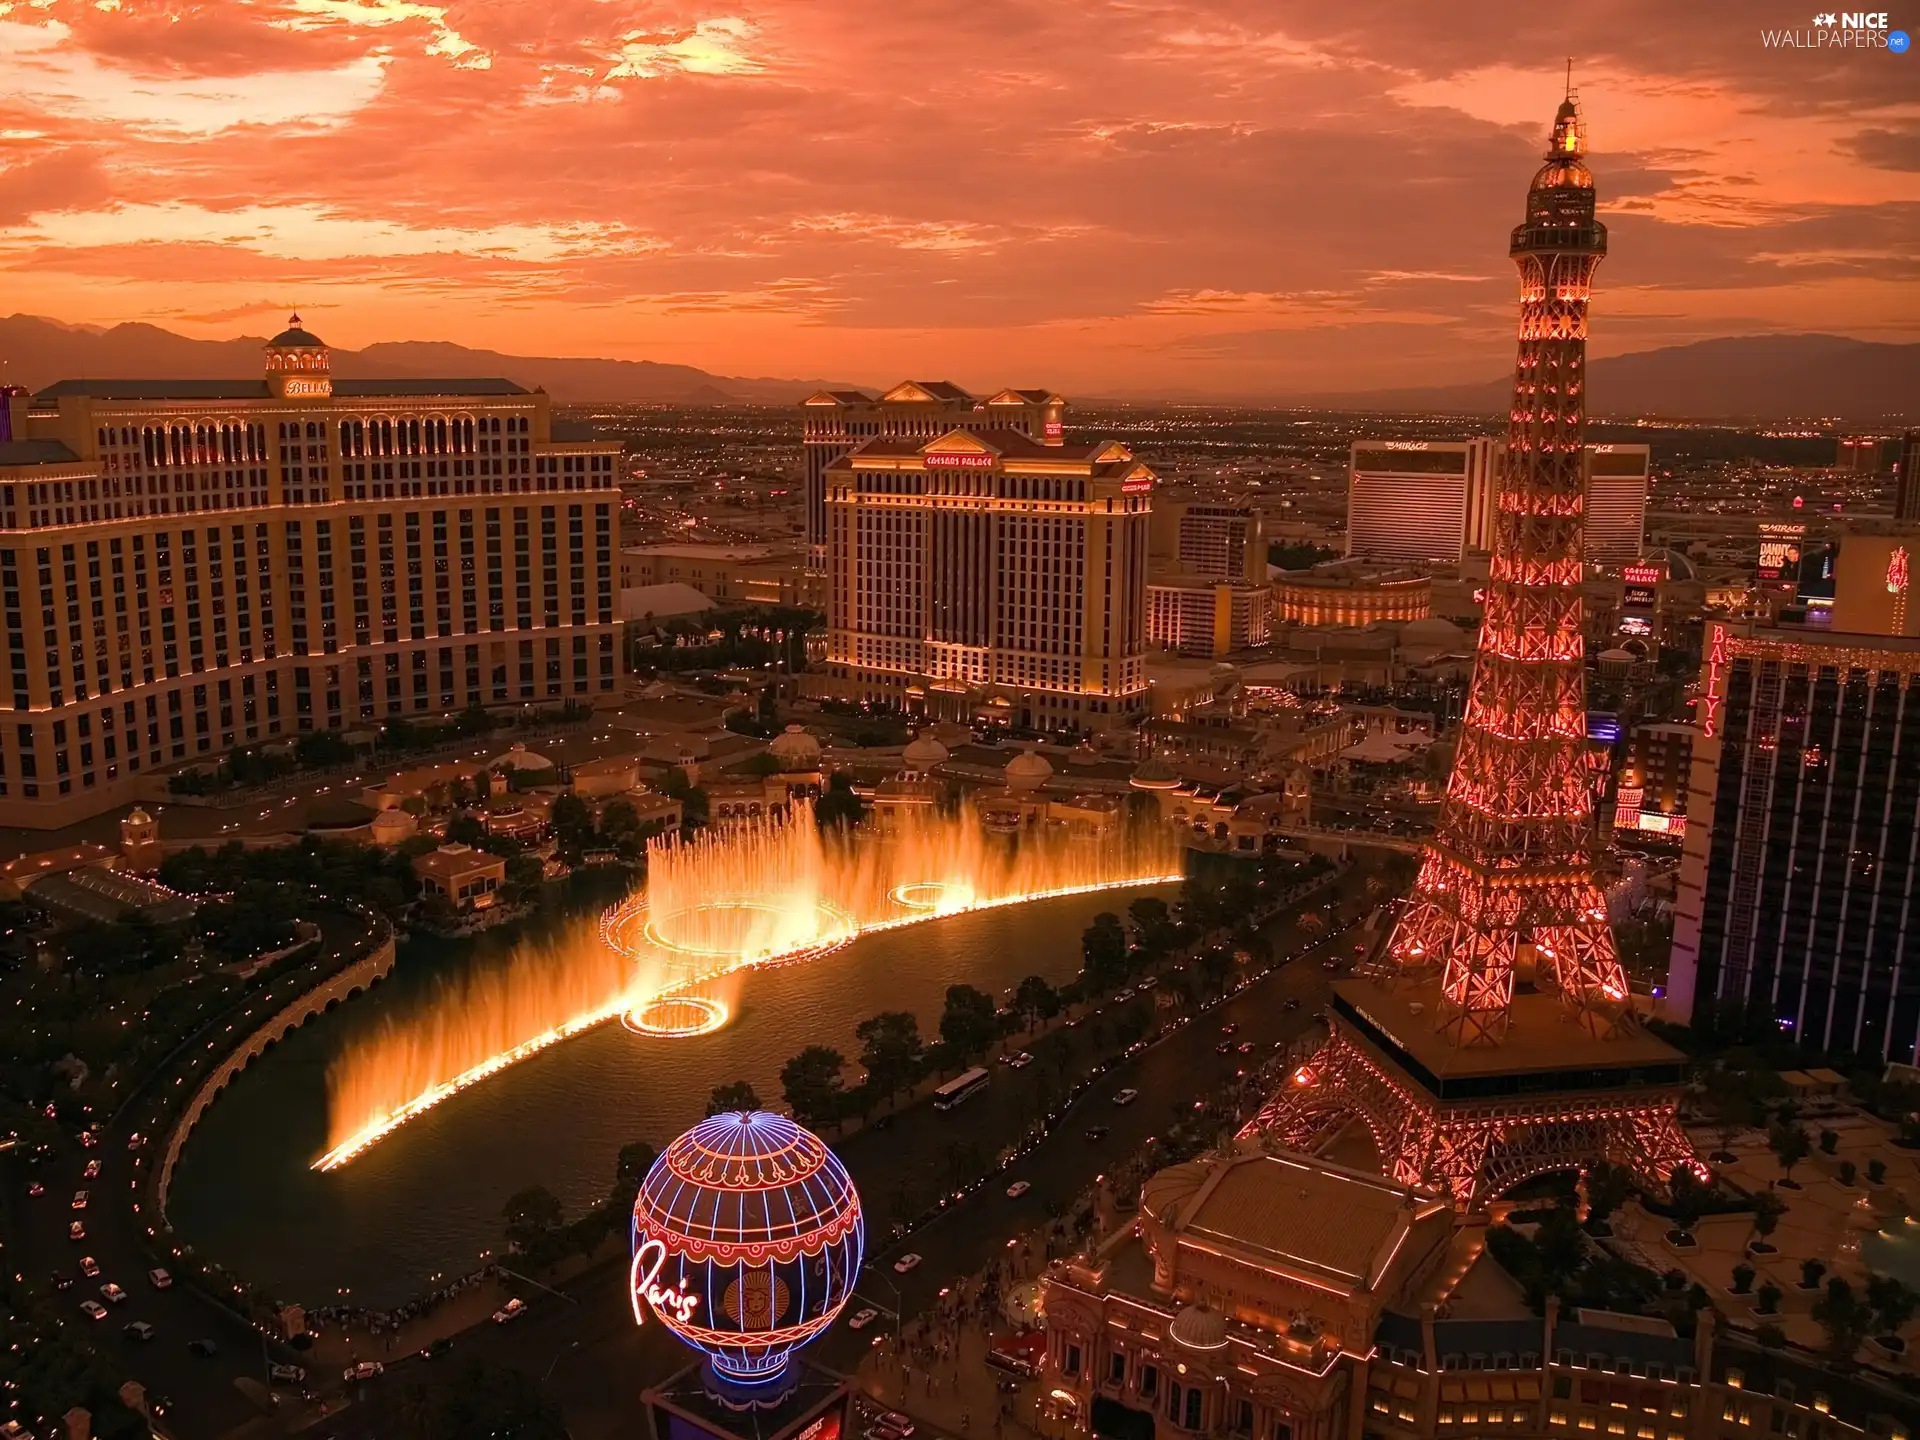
point(984, 571)
point(190, 565)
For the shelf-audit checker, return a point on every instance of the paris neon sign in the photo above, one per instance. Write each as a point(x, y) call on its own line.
point(643, 1281)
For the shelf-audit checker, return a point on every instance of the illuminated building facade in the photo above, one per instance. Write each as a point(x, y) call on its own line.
point(1652, 796)
point(835, 423)
point(1906, 490)
point(1413, 500)
point(1242, 1302)
point(1435, 501)
point(1352, 592)
point(1865, 454)
point(1467, 1080)
point(1218, 542)
point(725, 574)
point(1873, 580)
point(1616, 505)
point(1202, 617)
point(191, 565)
point(988, 575)
point(1796, 883)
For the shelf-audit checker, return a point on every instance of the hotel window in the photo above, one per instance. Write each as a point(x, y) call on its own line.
point(1072, 1367)
point(1116, 1368)
point(1243, 1417)
point(1149, 1380)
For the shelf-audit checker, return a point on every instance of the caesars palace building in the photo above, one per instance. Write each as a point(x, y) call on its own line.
point(191, 565)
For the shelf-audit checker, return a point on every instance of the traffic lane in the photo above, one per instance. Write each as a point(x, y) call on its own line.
point(201, 1390)
point(1169, 1077)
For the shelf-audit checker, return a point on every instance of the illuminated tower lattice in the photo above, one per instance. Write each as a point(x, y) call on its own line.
point(1508, 879)
point(1464, 1081)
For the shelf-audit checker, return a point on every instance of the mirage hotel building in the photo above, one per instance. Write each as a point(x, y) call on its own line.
point(192, 565)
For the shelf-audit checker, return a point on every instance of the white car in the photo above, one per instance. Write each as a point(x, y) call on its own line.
point(1020, 1060)
point(906, 1263)
point(365, 1370)
point(512, 1310)
point(115, 1295)
point(294, 1373)
point(1017, 1189)
point(1126, 1097)
point(93, 1310)
point(92, 1172)
point(862, 1318)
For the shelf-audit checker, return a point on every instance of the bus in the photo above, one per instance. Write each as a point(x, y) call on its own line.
point(961, 1087)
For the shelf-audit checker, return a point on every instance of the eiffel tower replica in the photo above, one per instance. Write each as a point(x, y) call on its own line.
point(1496, 1039)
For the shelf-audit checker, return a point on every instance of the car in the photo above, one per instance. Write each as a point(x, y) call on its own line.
point(79, 1199)
point(1017, 1189)
point(93, 1310)
point(62, 1282)
point(293, 1373)
point(1329, 965)
point(1245, 1047)
point(1126, 1097)
point(365, 1370)
point(89, 1267)
point(92, 1172)
point(1225, 1047)
point(437, 1348)
point(136, 1140)
point(1096, 1132)
point(1293, 1003)
point(1020, 1059)
point(205, 1349)
point(906, 1263)
point(1232, 1027)
point(512, 1310)
point(1360, 949)
point(1149, 982)
point(89, 1138)
point(1126, 994)
point(36, 1190)
point(884, 1122)
point(138, 1330)
point(892, 1426)
point(862, 1318)
point(76, 1231)
point(160, 1278)
point(115, 1295)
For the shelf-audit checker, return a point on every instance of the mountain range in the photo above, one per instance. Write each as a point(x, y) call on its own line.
point(1745, 377)
point(1753, 377)
point(35, 352)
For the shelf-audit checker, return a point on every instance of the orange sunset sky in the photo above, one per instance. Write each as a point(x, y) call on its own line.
point(1109, 196)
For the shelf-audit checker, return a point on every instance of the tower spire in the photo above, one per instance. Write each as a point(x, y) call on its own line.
point(1507, 884)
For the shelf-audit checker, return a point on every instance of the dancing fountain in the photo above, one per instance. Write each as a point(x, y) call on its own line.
point(772, 891)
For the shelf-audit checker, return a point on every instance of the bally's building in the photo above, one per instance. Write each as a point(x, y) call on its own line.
point(987, 572)
point(191, 565)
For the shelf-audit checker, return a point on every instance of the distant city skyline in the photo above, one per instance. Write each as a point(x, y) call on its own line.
point(1117, 197)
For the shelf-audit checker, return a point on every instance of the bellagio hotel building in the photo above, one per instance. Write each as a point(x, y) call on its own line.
point(979, 566)
point(193, 565)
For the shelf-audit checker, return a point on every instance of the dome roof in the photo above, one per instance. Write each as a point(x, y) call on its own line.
point(924, 752)
point(137, 816)
point(1166, 1190)
point(795, 748)
point(518, 757)
point(1432, 631)
point(746, 1184)
point(1199, 1327)
point(1028, 770)
point(1155, 774)
point(296, 337)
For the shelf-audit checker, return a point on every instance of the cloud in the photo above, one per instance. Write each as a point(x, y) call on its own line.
point(1228, 195)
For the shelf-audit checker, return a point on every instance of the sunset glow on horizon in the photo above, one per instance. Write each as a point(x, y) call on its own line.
point(1122, 197)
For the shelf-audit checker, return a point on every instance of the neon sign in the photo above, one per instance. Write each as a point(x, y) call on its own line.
point(1054, 428)
point(1641, 574)
point(1137, 486)
point(1716, 675)
point(642, 1281)
point(1897, 571)
point(958, 462)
